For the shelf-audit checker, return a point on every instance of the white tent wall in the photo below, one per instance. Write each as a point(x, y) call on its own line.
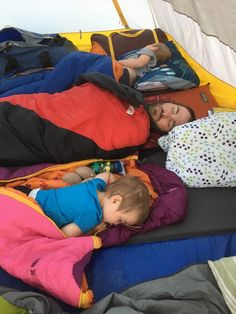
point(64, 16)
point(55, 16)
point(197, 25)
point(138, 13)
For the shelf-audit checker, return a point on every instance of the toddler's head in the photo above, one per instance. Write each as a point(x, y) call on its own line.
point(126, 201)
point(163, 53)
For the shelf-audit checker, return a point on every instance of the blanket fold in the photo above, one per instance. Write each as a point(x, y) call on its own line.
point(35, 250)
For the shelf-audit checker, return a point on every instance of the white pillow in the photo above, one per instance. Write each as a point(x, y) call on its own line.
point(224, 271)
point(203, 152)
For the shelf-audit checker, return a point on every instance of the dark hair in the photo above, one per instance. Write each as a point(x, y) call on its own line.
point(190, 110)
point(153, 125)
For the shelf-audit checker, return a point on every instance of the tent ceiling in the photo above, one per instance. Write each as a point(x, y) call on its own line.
point(216, 18)
point(59, 16)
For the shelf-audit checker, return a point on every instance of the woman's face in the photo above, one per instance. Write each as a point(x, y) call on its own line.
point(166, 116)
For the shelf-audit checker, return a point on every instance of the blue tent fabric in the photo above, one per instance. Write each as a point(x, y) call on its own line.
point(60, 78)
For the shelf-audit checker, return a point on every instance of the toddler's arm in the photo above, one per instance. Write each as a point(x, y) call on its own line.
point(135, 63)
point(108, 177)
point(71, 230)
point(141, 61)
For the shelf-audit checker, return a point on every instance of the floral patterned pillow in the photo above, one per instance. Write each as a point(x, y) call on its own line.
point(203, 152)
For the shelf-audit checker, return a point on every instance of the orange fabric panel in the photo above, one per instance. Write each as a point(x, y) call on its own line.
point(96, 48)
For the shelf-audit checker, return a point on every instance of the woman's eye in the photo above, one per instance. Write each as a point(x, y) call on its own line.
point(175, 110)
point(171, 124)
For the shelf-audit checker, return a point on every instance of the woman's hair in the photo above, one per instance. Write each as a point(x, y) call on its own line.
point(135, 196)
point(163, 53)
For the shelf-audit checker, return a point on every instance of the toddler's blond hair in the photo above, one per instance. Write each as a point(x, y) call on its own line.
point(163, 53)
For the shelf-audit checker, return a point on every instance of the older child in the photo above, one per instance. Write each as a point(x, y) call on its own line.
point(138, 62)
point(77, 209)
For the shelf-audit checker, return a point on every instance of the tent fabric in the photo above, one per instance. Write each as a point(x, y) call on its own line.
point(202, 12)
point(211, 52)
point(215, 54)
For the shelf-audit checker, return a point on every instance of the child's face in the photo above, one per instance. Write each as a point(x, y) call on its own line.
point(113, 216)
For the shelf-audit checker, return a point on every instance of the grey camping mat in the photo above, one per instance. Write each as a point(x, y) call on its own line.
point(211, 211)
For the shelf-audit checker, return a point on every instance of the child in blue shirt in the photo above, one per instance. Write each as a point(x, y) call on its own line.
point(77, 209)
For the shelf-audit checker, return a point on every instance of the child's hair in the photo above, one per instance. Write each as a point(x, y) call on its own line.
point(135, 196)
point(163, 53)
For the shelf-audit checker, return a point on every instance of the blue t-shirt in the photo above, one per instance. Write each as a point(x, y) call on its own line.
point(77, 204)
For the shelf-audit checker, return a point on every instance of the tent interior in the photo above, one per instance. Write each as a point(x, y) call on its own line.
point(195, 27)
point(204, 34)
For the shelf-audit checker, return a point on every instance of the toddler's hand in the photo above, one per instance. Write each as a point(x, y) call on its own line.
point(152, 47)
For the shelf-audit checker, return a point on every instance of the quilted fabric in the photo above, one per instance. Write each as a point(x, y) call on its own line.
point(35, 250)
point(203, 153)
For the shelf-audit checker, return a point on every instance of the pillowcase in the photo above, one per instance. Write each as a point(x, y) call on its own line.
point(198, 98)
point(202, 153)
point(118, 43)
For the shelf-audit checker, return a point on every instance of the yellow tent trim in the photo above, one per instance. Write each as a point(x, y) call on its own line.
point(82, 39)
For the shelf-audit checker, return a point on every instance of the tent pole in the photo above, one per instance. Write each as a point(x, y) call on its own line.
point(120, 13)
point(153, 18)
